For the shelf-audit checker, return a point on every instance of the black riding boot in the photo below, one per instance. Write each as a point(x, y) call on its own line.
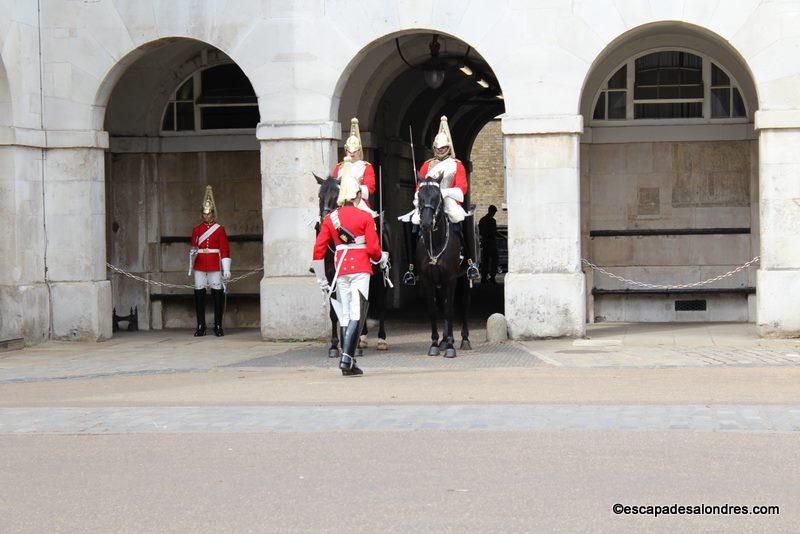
point(468, 239)
point(200, 310)
point(347, 363)
point(219, 308)
point(410, 278)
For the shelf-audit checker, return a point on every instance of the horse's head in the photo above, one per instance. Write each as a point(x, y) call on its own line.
point(328, 194)
point(429, 202)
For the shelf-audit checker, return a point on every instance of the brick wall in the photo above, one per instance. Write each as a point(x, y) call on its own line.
point(486, 181)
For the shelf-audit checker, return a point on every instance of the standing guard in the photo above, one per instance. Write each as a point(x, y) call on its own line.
point(355, 166)
point(452, 176)
point(210, 260)
point(357, 247)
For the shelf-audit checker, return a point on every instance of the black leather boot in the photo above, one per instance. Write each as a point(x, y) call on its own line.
point(468, 239)
point(200, 310)
point(409, 277)
point(219, 308)
point(347, 363)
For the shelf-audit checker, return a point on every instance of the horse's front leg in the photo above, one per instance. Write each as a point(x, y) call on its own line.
point(449, 313)
point(430, 299)
point(382, 292)
point(466, 301)
point(333, 351)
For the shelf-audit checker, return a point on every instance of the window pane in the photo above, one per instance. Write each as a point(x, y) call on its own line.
point(215, 118)
point(186, 91)
point(692, 91)
point(720, 103)
point(226, 84)
point(616, 104)
point(168, 123)
point(669, 75)
point(678, 110)
point(738, 104)
point(718, 77)
point(619, 79)
point(185, 116)
point(600, 107)
point(645, 93)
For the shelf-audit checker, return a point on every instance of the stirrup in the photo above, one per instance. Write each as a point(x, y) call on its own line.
point(473, 273)
point(409, 278)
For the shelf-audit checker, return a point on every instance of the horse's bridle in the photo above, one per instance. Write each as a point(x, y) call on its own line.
point(324, 213)
point(433, 259)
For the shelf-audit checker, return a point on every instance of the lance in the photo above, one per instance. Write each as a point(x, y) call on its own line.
point(413, 158)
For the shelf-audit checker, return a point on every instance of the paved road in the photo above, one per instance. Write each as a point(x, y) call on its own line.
point(410, 481)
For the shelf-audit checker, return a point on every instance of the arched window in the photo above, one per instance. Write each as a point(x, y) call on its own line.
point(215, 98)
point(669, 84)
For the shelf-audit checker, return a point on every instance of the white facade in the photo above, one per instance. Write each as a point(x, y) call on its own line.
point(313, 65)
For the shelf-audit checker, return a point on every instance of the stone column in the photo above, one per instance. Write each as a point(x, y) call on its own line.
point(778, 278)
point(75, 225)
point(24, 303)
point(545, 295)
point(292, 305)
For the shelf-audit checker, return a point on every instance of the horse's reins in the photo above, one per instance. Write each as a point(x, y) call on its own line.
point(434, 259)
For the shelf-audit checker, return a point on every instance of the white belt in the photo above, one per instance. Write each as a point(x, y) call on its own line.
point(360, 243)
point(208, 251)
point(354, 246)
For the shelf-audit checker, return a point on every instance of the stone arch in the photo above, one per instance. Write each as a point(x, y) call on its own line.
point(155, 181)
point(388, 96)
point(670, 201)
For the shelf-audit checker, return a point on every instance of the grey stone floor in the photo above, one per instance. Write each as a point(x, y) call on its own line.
point(347, 418)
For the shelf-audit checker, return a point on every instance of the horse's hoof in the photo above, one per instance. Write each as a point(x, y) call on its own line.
point(333, 353)
point(450, 353)
point(382, 345)
point(362, 342)
point(434, 350)
point(466, 345)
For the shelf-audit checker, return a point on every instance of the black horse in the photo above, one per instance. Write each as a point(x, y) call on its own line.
point(441, 268)
point(378, 291)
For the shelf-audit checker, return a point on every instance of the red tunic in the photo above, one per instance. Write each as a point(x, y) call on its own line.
point(367, 179)
point(218, 240)
point(359, 223)
point(459, 180)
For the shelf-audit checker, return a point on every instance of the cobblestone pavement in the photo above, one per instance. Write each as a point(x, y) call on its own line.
point(345, 418)
point(606, 345)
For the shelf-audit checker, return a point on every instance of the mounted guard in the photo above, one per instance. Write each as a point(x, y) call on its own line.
point(356, 167)
point(210, 260)
point(452, 178)
point(352, 231)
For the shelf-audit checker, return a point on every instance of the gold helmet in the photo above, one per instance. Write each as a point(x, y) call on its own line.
point(443, 138)
point(348, 189)
point(353, 143)
point(208, 201)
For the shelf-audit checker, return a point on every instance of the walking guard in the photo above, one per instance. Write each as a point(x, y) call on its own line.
point(210, 260)
point(352, 230)
point(452, 177)
point(355, 166)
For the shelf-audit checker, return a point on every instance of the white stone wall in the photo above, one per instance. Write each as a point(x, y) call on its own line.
point(298, 56)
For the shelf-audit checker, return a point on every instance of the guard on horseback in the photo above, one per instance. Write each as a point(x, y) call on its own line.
point(355, 166)
point(210, 261)
point(452, 176)
point(352, 230)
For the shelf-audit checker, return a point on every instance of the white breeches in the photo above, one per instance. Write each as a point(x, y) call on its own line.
point(204, 279)
point(452, 209)
point(347, 288)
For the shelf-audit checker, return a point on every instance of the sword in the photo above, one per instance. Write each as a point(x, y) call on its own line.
point(385, 268)
point(413, 158)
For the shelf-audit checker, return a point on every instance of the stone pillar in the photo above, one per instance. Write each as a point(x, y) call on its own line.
point(545, 295)
point(292, 306)
point(75, 224)
point(778, 278)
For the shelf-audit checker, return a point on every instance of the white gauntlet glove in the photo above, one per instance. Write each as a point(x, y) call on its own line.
point(324, 285)
point(384, 261)
point(226, 268)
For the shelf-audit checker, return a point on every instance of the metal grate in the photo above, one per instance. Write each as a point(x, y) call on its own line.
point(690, 305)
